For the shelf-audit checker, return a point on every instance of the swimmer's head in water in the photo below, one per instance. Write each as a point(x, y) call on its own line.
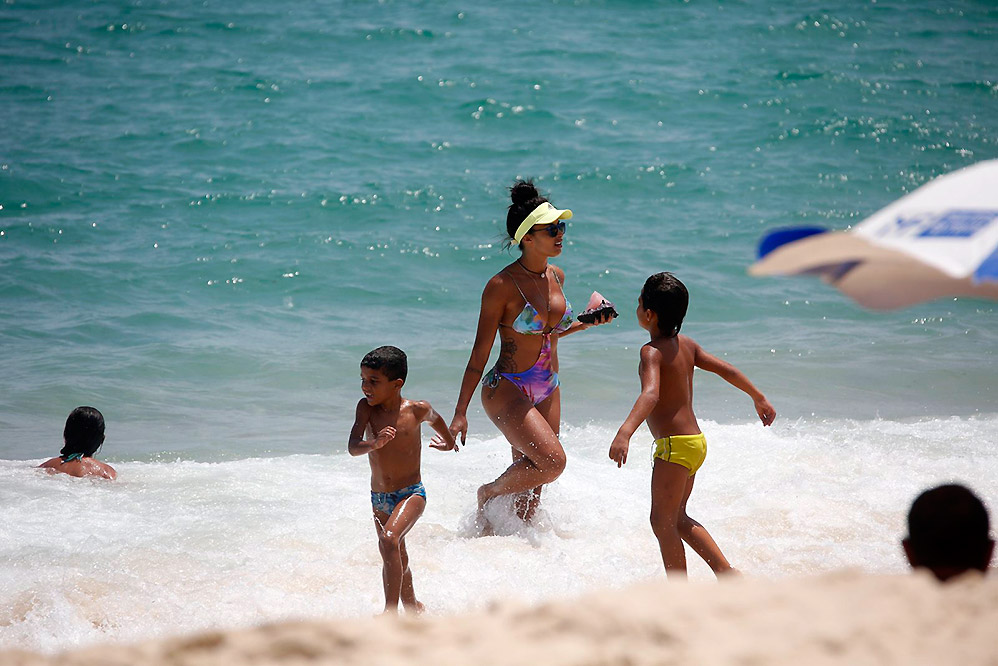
point(84, 432)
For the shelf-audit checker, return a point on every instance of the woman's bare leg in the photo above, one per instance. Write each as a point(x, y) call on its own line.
point(525, 505)
point(529, 433)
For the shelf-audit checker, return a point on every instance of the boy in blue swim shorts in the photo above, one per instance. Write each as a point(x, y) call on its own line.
point(666, 403)
point(387, 430)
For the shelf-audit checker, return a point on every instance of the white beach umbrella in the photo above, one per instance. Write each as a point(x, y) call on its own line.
point(940, 240)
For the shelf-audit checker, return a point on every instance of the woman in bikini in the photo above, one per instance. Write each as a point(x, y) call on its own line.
point(526, 304)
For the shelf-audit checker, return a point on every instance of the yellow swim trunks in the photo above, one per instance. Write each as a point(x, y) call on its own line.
point(686, 450)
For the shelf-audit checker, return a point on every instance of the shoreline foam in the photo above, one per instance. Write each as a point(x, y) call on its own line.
point(843, 617)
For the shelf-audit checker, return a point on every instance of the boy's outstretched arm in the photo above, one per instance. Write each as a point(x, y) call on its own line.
point(736, 378)
point(356, 445)
point(444, 439)
point(649, 369)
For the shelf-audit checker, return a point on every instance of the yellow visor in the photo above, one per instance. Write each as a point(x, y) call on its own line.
point(543, 214)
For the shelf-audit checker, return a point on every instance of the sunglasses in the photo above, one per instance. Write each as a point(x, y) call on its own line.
point(553, 229)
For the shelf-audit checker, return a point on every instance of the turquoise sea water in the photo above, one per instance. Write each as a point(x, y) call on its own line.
point(212, 210)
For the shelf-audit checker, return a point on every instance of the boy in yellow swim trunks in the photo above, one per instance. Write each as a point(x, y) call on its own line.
point(666, 403)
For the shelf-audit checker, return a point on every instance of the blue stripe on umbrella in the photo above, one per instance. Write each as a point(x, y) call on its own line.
point(778, 237)
point(988, 270)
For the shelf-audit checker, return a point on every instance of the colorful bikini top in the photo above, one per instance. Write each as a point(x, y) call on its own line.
point(530, 321)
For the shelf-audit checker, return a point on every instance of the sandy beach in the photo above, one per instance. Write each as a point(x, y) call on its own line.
point(846, 617)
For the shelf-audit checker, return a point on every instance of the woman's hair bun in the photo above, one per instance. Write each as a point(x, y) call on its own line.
point(522, 192)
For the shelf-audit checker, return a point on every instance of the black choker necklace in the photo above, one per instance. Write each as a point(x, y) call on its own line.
point(541, 274)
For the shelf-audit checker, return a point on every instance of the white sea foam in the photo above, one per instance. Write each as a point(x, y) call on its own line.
point(182, 546)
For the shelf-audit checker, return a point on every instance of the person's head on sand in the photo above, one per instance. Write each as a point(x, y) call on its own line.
point(382, 374)
point(533, 223)
point(662, 305)
point(948, 532)
point(83, 434)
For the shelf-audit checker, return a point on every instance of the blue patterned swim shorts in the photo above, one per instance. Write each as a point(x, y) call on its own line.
point(386, 502)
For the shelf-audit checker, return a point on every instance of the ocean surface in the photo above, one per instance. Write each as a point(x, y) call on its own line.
point(209, 212)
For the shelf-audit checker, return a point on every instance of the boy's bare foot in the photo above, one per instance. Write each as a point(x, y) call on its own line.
point(415, 607)
point(729, 573)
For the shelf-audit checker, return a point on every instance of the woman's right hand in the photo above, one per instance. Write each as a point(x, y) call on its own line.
point(459, 424)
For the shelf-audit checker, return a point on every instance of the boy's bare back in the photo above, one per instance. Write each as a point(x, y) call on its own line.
point(675, 358)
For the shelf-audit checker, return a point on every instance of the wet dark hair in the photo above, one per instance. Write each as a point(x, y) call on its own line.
point(948, 527)
point(84, 432)
point(668, 298)
point(525, 198)
point(389, 360)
